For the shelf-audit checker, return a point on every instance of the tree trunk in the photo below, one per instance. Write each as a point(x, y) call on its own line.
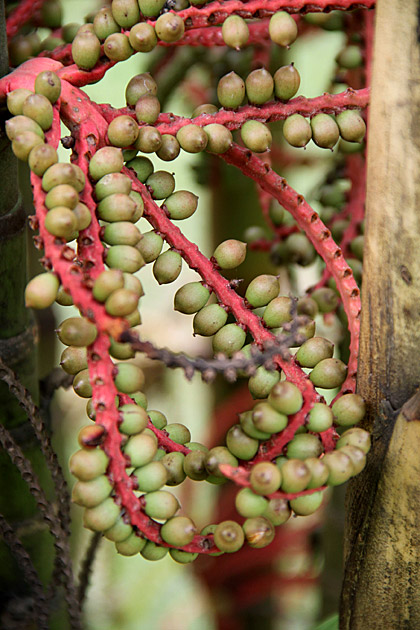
point(382, 539)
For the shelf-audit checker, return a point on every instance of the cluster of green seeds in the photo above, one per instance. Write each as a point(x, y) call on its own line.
point(282, 30)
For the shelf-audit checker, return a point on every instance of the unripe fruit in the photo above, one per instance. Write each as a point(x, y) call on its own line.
point(329, 373)
point(122, 131)
point(348, 410)
point(209, 320)
point(151, 8)
point(134, 318)
point(77, 331)
point(121, 233)
point(235, 32)
point(231, 91)
point(179, 433)
point(104, 24)
point(249, 504)
point(259, 86)
point(265, 478)
point(20, 50)
point(161, 505)
point(282, 28)
point(277, 511)
point(111, 184)
point(91, 493)
point(219, 139)
point(295, 476)
point(41, 158)
point(286, 398)
point(307, 306)
point(134, 419)
point(138, 86)
point(229, 339)
point(192, 138)
point(249, 428)
point(140, 449)
point(357, 457)
point(149, 140)
point(153, 552)
point(325, 132)
point(131, 546)
point(48, 84)
point(161, 184)
point(51, 14)
point(229, 536)
point(286, 82)
point(121, 302)
point(62, 195)
point(181, 204)
point(240, 444)
point(121, 351)
point(356, 246)
point(24, 142)
point(267, 420)
point(88, 464)
point(63, 298)
point(147, 108)
point(206, 108)
point(106, 160)
point(230, 254)
point(60, 174)
point(151, 477)
point(15, 100)
point(191, 298)
point(217, 456)
point(303, 446)
point(124, 257)
point(178, 531)
point(169, 27)
point(142, 37)
point(61, 222)
point(150, 246)
point(183, 557)
point(167, 267)
point(142, 166)
point(117, 47)
point(259, 532)
point(20, 124)
point(129, 379)
point(101, 517)
point(320, 418)
point(74, 359)
point(157, 418)
point(119, 532)
point(86, 50)
point(297, 131)
point(340, 467)
point(256, 136)
point(133, 284)
point(350, 57)
point(261, 290)
point(262, 382)
point(195, 465)
point(41, 291)
point(106, 283)
point(355, 437)
point(81, 384)
point(314, 350)
point(125, 12)
point(278, 312)
point(326, 299)
point(169, 148)
point(308, 504)
point(352, 126)
point(319, 472)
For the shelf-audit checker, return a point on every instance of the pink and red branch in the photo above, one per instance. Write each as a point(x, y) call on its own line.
point(23, 13)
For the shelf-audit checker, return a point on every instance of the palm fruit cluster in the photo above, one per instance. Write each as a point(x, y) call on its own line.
point(321, 444)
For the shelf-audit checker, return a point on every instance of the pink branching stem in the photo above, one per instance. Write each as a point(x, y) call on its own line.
point(240, 476)
point(210, 36)
point(217, 12)
point(21, 15)
point(317, 233)
point(270, 112)
point(356, 170)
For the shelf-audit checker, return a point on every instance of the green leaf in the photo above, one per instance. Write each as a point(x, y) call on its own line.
point(329, 624)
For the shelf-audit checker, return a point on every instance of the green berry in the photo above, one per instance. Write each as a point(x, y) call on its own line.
point(240, 444)
point(106, 160)
point(104, 24)
point(183, 557)
point(259, 86)
point(122, 131)
point(74, 359)
point(277, 511)
point(150, 246)
point(320, 418)
point(161, 184)
point(181, 205)
point(131, 546)
point(178, 531)
point(357, 456)
point(150, 477)
point(77, 331)
point(267, 420)
point(151, 8)
point(179, 433)
point(282, 28)
point(231, 91)
point(278, 312)
point(153, 552)
point(133, 284)
point(88, 464)
point(23, 143)
point(286, 398)
point(219, 139)
point(319, 472)
point(119, 532)
point(297, 131)
point(217, 456)
point(48, 84)
point(230, 254)
point(142, 167)
point(235, 32)
point(134, 420)
point(174, 465)
point(15, 100)
point(295, 476)
point(170, 27)
point(41, 291)
point(348, 410)
point(125, 12)
point(63, 298)
point(147, 108)
point(308, 504)
point(41, 158)
point(121, 302)
point(91, 493)
point(261, 290)
point(350, 58)
point(352, 126)
point(140, 449)
point(326, 299)
point(61, 222)
point(229, 339)
point(106, 283)
point(195, 465)
point(249, 504)
point(121, 351)
point(20, 124)
point(340, 467)
point(111, 184)
point(250, 429)
point(86, 50)
point(142, 37)
point(259, 532)
point(124, 257)
point(262, 382)
point(304, 446)
point(325, 131)
point(265, 478)
point(314, 350)
point(60, 174)
point(206, 108)
point(81, 384)
point(329, 373)
point(192, 138)
point(117, 47)
point(229, 536)
point(102, 516)
point(62, 195)
point(51, 14)
point(169, 149)
point(167, 267)
point(129, 378)
point(286, 82)
point(256, 136)
point(138, 86)
point(355, 437)
point(149, 140)
point(160, 504)
point(209, 320)
point(121, 233)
